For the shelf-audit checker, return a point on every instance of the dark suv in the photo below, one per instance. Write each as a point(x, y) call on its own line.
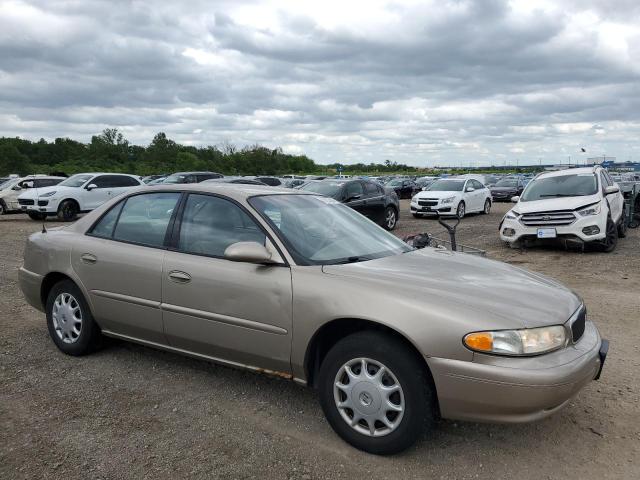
point(372, 200)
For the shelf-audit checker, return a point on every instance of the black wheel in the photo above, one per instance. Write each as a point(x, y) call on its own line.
point(36, 216)
point(611, 240)
point(487, 207)
point(69, 320)
point(461, 210)
point(622, 226)
point(376, 393)
point(390, 218)
point(68, 211)
point(3, 207)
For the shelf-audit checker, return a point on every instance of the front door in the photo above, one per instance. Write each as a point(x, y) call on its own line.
point(94, 197)
point(233, 311)
point(353, 197)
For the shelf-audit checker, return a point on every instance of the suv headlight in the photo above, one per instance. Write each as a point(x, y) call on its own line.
point(529, 341)
point(48, 194)
point(448, 200)
point(591, 210)
point(414, 199)
point(512, 215)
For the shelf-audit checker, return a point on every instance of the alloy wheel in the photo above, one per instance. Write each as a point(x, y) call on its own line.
point(391, 218)
point(487, 207)
point(67, 318)
point(461, 210)
point(369, 397)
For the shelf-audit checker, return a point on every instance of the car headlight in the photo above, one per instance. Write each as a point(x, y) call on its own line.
point(512, 215)
point(530, 341)
point(414, 199)
point(448, 200)
point(592, 210)
point(48, 194)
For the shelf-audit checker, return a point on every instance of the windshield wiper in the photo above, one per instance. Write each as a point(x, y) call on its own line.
point(351, 260)
point(563, 195)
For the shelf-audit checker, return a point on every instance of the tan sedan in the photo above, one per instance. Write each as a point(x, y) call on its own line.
point(300, 286)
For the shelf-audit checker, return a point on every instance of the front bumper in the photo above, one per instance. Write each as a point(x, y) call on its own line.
point(47, 208)
point(515, 390)
point(439, 208)
point(575, 230)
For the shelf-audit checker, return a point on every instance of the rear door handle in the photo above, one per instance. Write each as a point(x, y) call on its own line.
point(179, 277)
point(88, 258)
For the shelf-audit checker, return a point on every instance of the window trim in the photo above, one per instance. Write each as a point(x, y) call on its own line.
point(123, 202)
point(174, 238)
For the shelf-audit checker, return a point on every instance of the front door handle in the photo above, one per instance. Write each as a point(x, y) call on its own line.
point(88, 258)
point(179, 277)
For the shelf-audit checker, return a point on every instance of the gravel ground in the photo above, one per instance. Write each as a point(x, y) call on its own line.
point(134, 412)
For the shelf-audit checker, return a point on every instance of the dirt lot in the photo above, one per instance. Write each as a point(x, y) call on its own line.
point(133, 412)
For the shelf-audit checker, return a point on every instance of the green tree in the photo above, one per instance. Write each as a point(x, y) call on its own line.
point(12, 161)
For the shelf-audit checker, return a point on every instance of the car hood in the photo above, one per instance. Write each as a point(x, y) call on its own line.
point(551, 204)
point(495, 293)
point(431, 194)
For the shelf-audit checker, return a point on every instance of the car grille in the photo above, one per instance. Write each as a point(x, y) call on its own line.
point(548, 219)
point(23, 201)
point(578, 325)
point(429, 202)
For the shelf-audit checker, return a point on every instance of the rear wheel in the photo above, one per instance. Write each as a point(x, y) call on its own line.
point(461, 210)
point(376, 393)
point(69, 320)
point(36, 216)
point(487, 207)
point(390, 218)
point(3, 208)
point(68, 211)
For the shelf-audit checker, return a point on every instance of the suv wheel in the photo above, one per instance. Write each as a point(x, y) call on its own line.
point(375, 393)
point(390, 218)
point(68, 211)
point(611, 240)
point(69, 320)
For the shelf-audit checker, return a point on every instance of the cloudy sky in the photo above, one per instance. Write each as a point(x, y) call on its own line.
point(418, 82)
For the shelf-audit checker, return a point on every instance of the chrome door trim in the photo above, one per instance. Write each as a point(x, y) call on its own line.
point(126, 298)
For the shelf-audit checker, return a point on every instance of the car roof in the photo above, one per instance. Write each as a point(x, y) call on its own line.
point(568, 171)
point(236, 191)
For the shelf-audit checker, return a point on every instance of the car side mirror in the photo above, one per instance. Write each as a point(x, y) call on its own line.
point(470, 189)
point(515, 199)
point(611, 189)
point(249, 252)
point(91, 186)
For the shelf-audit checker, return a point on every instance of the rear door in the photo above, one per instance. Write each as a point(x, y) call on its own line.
point(374, 201)
point(121, 184)
point(233, 311)
point(120, 264)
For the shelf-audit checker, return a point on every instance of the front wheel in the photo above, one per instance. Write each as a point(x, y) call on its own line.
point(3, 208)
point(68, 211)
point(611, 240)
point(376, 393)
point(390, 218)
point(461, 210)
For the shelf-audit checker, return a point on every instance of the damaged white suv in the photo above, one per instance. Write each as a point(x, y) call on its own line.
point(580, 205)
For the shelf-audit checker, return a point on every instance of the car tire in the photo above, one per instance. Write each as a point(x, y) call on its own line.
point(412, 402)
point(611, 240)
point(461, 210)
point(3, 207)
point(37, 216)
point(487, 207)
point(622, 226)
point(69, 320)
point(68, 211)
point(390, 218)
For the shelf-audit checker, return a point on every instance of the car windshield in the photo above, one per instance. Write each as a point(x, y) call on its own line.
point(75, 181)
point(322, 231)
point(507, 183)
point(446, 186)
point(330, 189)
point(8, 183)
point(575, 185)
point(176, 178)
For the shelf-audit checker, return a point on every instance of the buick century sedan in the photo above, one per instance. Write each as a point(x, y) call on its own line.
point(300, 286)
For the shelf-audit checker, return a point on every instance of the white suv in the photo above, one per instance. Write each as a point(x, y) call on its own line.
point(77, 194)
point(13, 188)
point(580, 204)
point(452, 196)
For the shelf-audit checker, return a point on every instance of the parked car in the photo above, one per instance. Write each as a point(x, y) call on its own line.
point(190, 177)
point(236, 180)
point(579, 204)
point(80, 193)
point(150, 178)
point(486, 179)
point(390, 337)
point(374, 201)
point(507, 188)
point(295, 182)
point(402, 186)
point(156, 181)
point(9, 195)
point(422, 183)
point(452, 196)
point(271, 181)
